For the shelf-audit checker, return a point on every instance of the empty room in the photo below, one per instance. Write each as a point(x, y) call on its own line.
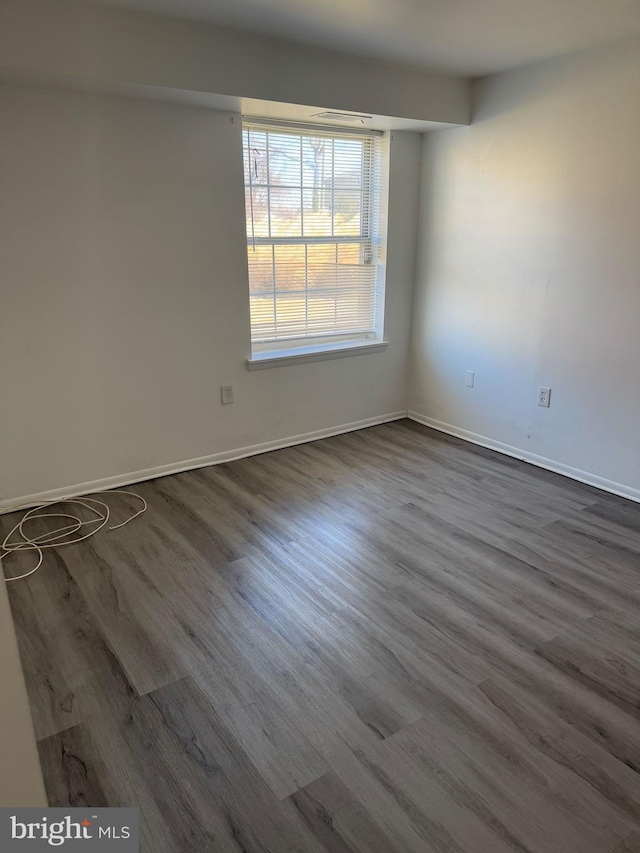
point(319, 426)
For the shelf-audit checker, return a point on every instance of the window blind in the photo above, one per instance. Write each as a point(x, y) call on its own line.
point(311, 198)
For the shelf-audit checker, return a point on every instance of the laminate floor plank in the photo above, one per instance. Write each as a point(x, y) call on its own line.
point(339, 821)
point(424, 799)
point(72, 779)
point(516, 790)
point(597, 667)
point(558, 740)
point(130, 615)
point(250, 674)
point(387, 640)
point(629, 845)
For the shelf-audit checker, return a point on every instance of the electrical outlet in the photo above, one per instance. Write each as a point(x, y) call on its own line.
point(544, 397)
point(471, 378)
point(226, 394)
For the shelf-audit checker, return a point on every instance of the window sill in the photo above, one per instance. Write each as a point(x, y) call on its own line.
point(302, 355)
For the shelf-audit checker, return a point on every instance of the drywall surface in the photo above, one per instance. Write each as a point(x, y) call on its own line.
point(92, 43)
point(125, 307)
point(529, 266)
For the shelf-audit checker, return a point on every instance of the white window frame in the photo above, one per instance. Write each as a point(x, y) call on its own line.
point(313, 348)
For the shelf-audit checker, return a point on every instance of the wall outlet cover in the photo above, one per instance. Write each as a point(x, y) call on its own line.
point(544, 397)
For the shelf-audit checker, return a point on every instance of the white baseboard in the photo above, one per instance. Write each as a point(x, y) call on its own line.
point(541, 461)
point(120, 480)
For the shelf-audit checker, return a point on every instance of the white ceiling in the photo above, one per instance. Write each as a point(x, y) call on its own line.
point(467, 37)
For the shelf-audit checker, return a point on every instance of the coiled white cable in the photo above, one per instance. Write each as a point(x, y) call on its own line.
point(62, 535)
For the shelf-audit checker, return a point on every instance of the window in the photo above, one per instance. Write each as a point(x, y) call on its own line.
point(312, 198)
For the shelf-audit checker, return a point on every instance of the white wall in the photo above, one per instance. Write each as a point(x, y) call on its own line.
point(529, 268)
point(124, 296)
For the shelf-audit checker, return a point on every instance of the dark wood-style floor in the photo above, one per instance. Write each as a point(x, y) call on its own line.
point(385, 641)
